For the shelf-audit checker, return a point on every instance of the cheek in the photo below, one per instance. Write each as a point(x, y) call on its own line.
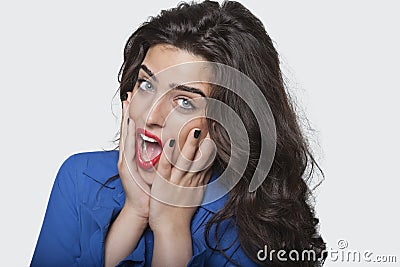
point(137, 106)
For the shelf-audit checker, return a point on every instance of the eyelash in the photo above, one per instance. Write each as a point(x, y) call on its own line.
point(192, 107)
point(140, 81)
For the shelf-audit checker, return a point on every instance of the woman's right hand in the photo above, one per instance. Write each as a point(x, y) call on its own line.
point(128, 227)
point(137, 201)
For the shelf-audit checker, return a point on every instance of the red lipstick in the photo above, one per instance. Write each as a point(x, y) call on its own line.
point(148, 143)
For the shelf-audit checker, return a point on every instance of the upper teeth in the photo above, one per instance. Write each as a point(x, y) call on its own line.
point(148, 139)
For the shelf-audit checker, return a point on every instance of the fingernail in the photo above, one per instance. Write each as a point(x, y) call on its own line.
point(197, 133)
point(171, 142)
point(128, 121)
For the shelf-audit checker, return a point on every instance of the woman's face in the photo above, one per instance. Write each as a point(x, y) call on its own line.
point(163, 109)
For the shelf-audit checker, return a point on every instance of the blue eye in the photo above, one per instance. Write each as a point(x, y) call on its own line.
point(145, 85)
point(185, 103)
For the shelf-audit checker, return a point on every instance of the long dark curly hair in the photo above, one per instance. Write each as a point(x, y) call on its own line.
point(279, 214)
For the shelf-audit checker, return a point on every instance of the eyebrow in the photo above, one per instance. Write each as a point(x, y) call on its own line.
point(149, 72)
point(187, 89)
point(174, 85)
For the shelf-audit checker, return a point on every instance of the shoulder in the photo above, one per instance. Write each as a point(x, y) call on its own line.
point(96, 164)
point(220, 242)
point(83, 174)
point(84, 160)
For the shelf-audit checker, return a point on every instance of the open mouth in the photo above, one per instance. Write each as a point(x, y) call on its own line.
point(148, 149)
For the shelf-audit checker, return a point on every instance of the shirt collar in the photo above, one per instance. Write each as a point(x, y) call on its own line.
point(102, 167)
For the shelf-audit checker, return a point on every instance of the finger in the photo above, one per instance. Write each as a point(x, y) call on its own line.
point(129, 152)
point(204, 177)
point(187, 154)
point(123, 130)
point(165, 163)
point(201, 169)
point(130, 143)
point(205, 155)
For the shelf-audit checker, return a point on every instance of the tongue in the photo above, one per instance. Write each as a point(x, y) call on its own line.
point(152, 150)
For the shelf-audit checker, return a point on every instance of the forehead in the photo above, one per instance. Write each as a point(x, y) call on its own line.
point(176, 66)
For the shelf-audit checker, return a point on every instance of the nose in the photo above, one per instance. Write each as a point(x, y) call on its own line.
point(157, 113)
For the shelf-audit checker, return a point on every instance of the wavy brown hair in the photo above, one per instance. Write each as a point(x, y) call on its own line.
point(279, 213)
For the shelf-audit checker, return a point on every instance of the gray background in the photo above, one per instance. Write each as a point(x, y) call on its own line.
point(59, 65)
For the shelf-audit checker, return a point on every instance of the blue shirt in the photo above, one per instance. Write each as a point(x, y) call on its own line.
point(79, 214)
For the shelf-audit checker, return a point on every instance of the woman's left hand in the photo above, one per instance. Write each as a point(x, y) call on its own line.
point(176, 193)
point(178, 189)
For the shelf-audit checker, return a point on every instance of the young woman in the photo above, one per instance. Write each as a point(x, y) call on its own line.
point(135, 206)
